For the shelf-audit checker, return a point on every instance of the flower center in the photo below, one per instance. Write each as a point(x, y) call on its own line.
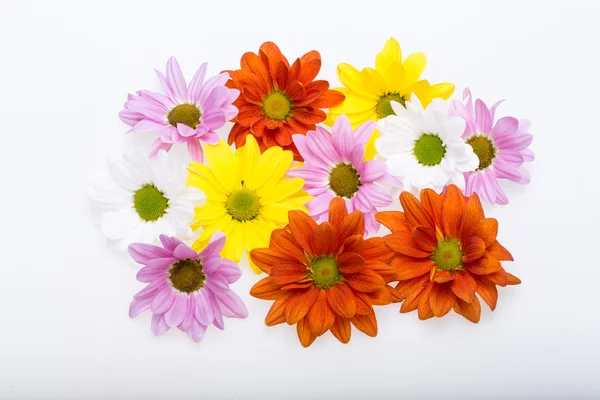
point(187, 114)
point(344, 180)
point(484, 148)
point(150, 203)
point(277, 106)
point(383, 108)
point(429, 149)
point(243, 205)
point(187, 275)
point(325, 272)
point(448, 255)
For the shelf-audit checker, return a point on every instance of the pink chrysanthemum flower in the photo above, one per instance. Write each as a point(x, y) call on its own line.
point(186, 114)
point(187, 290)
point(502, 148)
point(334, 166)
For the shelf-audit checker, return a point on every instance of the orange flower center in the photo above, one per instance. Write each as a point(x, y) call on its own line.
point(187, 275)
point(344, 180)
point(484, 148)
point(277, 106)
point(324, 272)
point(448, 255)
point(383, 108)
point(187, 114)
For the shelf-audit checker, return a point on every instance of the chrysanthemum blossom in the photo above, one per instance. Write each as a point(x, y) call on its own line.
point(186, 289)
point(369, 91)
point(446, 252)
point(248, 195)
point(278, 100)
point(501, 146)
point(334, 166)
point(185, 113)
point(325, 276)
point(139, 199)
point(424, 148)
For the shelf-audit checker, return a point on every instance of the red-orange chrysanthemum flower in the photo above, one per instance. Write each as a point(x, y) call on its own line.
point(276, 100)
point(445, 252)
point(324, 277)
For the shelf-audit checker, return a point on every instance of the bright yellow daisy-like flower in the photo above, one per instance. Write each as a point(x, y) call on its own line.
point(248, 196)
point(369, 92)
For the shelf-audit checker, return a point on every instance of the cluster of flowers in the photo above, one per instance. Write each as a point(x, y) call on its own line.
point(301, 199)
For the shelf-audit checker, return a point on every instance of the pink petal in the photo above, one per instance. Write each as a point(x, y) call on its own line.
point(169, 243)
point(211, 262)
point(147, 125)
point(363, 132)
point(195, 150)
point(372, 170)
point(142, 253)
point(183, 251)
point(157, 146)
point(214, 120)
point(196, 83)
point(218, 321)
point(231, 305)
point(163, 301)
point(505, 126)
point(175, 315)
point(185, 130)
point(196, 331)
point(216, 283)
point(138, 306)
point(484, 120)
point(229, 270)
point(150, 290)
point(149, 274)
point(165, 84)
point(204, 311)
point(210, 137)
point(506, 171)
point(159, 326)
point(320, 203)
point(176, 80)
point(215, 246)
point(343, 138)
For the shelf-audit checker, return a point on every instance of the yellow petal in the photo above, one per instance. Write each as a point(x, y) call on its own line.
point(414, 65)
point(209, 213)
point(352, 79)
point(421, 89)
point(222, 164)
point(219, 226)
point(234, 242)
point(356, 119)
point(272, 166)
point(353, 103)
point(201, 177)
point(281, 190)
point(442, 90)
point(394, 77)
point(370, 150)
point(391, 52)
point(247, 158)
point(374, 81)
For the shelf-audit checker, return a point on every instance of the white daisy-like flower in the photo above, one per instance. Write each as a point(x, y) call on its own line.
point(424, 148)
point(139, 199)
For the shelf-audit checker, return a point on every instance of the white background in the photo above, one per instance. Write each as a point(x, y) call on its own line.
point(66, 68)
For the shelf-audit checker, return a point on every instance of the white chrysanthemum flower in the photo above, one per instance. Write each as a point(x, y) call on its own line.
point(424, 148)
point(139, 199)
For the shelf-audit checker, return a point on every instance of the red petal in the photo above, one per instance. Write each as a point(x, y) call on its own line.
point(412, 287)
point(337, 212)
point(382, 296)
point(353, 224)
point(325, 240)
point(424, 238)
point(452, 208)
point(274, 56)
point(387, 271)
point(341, 300)
point(310, 65)
point(283, 136)
point(354, 244)
point(393, 220)
point(513, 280)
point(414, 212)
point(330, 98)
point(266, 258)
point(282, 77)
point(432, 203)
point(376, 250)
point(309, 115)
point(363, 303)
point(472, 216)
point(464, 286)
point(296, 91)
point(302, 227)
point(425, 311)
point(284, 242)
point(350, 263)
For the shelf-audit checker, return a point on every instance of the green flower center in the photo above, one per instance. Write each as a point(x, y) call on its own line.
point(383, 108)
point(187, 114)
point(277, 106)
point(429, 149)
point(243, 205)
point(150, 203)
point(344, 180)
point(325, 272)
point(484, 148)
point(187, 275)
point(448, 255)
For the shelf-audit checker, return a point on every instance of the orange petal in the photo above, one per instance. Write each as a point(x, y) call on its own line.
point(382, 296)
point(402, 242)
point(484, 266)
point(432, 203)
point(488, 292)
point(284, 242)
point(363, 303)
point(471, 311)
point(424, 238)
point(320, 316)
point(324, 239)
point(441, 299)
point(498, 278)
point(354, 244)
point(350, 263)
point(353, 224)
point(274, 56)
point(309, 115)
point(299, 303)
point(282, 76)
point(285, 273)
point(496, 250)
point(441, 276)
point(302, 227)
point(297, 285)
point(414, 212)
point(330, 98)
point(341, 300)
point(365, 281)
point(472, 216)
point(425, 311)
point(452, 208)
point(266, 289)
point(464, 286)
point(474, 248)
point(412, 287)
point(366, 323)
point(487, 231)
point(409, 267)
point(341, 329)
point(276, 314)
point(393, 220)
point(513, 280)
point(266, 258)
point(387, 271)
point(310, 65)
point(376, 250)
point(337, 212)
point(304, 333)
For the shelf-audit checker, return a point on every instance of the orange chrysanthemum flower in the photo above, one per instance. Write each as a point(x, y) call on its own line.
point(277, 100)
point(445, 252)
point(324, 277)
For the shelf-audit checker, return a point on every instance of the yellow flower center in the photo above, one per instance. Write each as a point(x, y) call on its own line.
point(243, 205)
point(150, 203)
point(484, 148)
point(448, 255)
point(344, 180)
point(325, 272)
point(429, 149)
point(383, 108)
point(187, 114)
point(277, 106)
point(187, 275)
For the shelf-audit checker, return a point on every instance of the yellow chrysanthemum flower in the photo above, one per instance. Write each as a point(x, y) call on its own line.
point(369, 92)
point(248, 196)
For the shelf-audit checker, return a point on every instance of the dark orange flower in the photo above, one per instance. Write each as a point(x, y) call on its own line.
point(445, 252)
point(325, 277)
point(276, 100)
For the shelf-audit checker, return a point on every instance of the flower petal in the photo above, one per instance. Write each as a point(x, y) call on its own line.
point(299, 303)
point(365, 281)
point(324, 240)
point(341, 329)
point(367, 323)
point(464, 286)
point(341, 300)
point(285, 273)
point(320, 316)
point(350, 263)
point(441, 299)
